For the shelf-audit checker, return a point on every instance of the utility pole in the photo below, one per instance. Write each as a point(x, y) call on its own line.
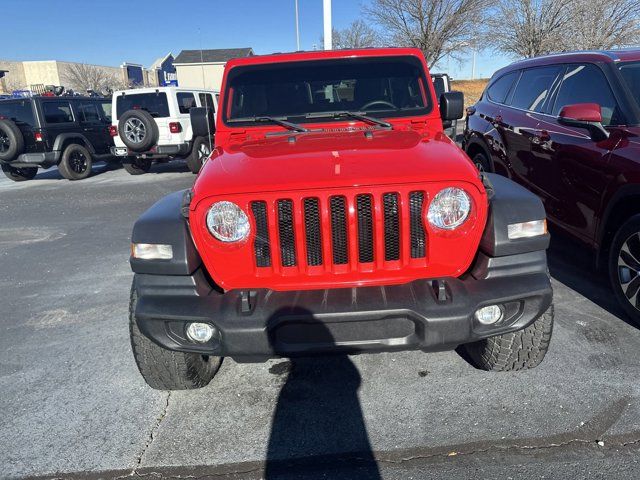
point(326, 10)
point(473, 66)
point(297, 28)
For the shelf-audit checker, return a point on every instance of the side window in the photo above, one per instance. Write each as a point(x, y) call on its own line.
point(186, 101)
point(499, 89)
point(106, 110)
point(206, 100)
point(88, 112)
point(587, 84)
point(534, 87)
point(57, 112)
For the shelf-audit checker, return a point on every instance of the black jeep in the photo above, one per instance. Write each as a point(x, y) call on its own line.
point(70, 132)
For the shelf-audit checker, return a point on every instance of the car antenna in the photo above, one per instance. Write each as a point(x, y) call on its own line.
point(204, 85)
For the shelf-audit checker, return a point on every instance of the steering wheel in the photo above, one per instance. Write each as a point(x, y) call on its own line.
point(381, 102)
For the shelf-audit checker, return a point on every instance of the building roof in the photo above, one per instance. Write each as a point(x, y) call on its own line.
point(220, 55)
point(158, 63)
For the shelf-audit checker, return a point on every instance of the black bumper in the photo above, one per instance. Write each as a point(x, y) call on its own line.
point(427, 315)
point(159, 151)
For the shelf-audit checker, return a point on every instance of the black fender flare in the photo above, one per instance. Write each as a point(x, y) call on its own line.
point(623, 192)
point(64, 137)
point(165, 223)
point(475, 141)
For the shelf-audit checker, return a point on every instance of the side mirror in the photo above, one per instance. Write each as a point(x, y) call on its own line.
point(202, 121)
point(584, 115)
point(451, 106)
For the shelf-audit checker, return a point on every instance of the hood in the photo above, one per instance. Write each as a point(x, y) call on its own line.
point(317, 160)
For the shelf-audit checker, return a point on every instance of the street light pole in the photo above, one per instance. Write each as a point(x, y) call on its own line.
point(473, 66)
point(326, 10)
point(297, 28)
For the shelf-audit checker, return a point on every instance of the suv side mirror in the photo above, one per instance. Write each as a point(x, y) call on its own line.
point(584, 115)
point(451, 106)
point(202, 122)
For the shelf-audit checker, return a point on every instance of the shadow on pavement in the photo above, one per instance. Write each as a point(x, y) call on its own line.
point(318, 429)
point(572, 264)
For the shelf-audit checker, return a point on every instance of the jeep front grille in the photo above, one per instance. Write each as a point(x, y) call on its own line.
point(363, 230)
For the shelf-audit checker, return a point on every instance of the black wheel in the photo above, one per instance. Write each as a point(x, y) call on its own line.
point(624, 267)
point(519, 350)
point(76, 162)
point(164, 369)
point(481, 162)
point(138, 130)
point(199, 154)
point(19, 174)
point(137, 166)
point(11, 140)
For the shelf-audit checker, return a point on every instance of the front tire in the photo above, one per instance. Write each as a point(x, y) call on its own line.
point(481, 162)
point(76, 163)
point(164, 369)
point(199, 154)
point(624, 267)
point(519, 350)
point(19, 174)
point(137, 166)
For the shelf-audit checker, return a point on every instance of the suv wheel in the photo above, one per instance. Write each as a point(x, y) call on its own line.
point(137, 166)
point(519, 350)
point(481, 162)
point(11, 140)
point(624, 267)
point(138, 130)
point(76, 162)
point(199, 154)
point(19, 174)
point(164, 369)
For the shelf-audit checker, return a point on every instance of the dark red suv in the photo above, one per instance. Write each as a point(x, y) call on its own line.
point(567, 127)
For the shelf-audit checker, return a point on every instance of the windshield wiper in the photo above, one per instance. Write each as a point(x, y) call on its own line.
point(345, 113)
point(264, 119)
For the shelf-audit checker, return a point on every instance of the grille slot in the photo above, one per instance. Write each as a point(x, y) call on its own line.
point(418, 242)
point(365, 228)
point(312, 231)
point(391, 226)
point(286, 233)
point(261, 244)
point(339, 230)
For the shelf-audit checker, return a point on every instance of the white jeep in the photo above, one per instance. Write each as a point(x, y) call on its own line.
point(155, 124)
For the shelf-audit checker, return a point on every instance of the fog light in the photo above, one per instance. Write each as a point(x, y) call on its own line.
point(200, 332)
point(489, 315)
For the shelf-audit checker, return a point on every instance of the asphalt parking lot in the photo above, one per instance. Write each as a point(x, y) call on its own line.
point(72, 403)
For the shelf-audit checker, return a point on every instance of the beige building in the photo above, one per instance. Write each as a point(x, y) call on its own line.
point(204, 68)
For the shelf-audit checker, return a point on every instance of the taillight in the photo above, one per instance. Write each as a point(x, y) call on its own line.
point(113, 130)
point(38, 137)
point(175, 127)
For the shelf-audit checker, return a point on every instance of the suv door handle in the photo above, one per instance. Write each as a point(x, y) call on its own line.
point(541, 138)
point(497, 121)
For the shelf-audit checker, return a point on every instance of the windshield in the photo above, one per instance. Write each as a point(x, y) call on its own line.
point(631, 73)
point(382, 87)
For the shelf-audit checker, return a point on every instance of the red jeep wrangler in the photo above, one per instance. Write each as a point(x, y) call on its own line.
point(335, 216)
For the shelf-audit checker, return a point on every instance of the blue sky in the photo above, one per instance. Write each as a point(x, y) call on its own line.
point(139, 31)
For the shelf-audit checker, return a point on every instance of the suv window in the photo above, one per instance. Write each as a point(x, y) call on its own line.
point(18, 111)
point(586, 84)
point(89, 112)
point(107, 109)
point(154, 103)
point(438, 85)
point(499, 89)
point(533, 87)
point(631, 74)
point(186, 101)
point(57, 112)
point(206, 100)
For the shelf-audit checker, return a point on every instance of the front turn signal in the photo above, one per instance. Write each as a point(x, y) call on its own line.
point(527, 229)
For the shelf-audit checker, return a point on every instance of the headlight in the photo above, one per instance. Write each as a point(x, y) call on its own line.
point(449, 208)
point(227, 222)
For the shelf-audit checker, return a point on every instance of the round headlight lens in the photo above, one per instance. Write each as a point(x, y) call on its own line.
point(449, 208)
point(227, 222)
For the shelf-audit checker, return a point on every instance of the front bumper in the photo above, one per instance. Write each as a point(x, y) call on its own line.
point(428, 315)
point(159, 151)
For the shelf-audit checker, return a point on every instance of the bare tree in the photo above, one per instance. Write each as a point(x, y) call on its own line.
point(528, 28)
point(438, 27)
point(82, 77)
point(356, 35)
point(598, 24)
